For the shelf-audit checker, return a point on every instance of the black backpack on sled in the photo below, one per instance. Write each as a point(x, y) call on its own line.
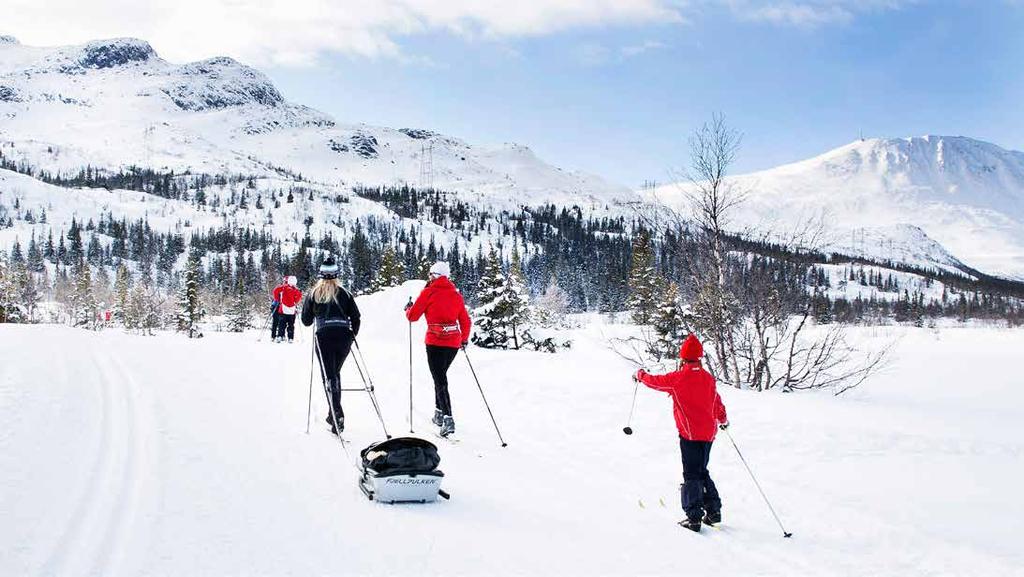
point(401, 470)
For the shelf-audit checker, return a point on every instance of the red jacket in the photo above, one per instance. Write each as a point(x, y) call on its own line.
point(698, 408)
point(287, 298)
point(447, 320)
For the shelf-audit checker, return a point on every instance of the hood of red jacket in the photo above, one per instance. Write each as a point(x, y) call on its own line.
point(441, 283)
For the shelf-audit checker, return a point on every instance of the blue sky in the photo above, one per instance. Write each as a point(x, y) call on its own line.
point(619, 101)
point(608, 86)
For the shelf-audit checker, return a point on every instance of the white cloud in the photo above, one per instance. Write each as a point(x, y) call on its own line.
point(809, 13)
point(298, 32)
point(638, 49)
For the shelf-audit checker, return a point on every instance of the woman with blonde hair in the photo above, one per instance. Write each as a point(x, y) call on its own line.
point(337, 324)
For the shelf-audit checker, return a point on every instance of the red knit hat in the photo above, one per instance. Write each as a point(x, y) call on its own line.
point(691, 349)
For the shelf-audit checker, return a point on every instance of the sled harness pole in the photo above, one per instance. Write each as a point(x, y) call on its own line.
point(330, 405)
point(484, 397)
point(368, 384)
point(309, 403)
point(785, 533)
point(410, 369)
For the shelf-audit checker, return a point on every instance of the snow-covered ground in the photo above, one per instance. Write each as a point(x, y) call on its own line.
point(125, 455)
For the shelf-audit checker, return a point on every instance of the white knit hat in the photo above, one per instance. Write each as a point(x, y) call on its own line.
point(440, 268)
point(292, 280)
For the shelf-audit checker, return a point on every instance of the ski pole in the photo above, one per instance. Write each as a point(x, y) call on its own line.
point(266, 324)
point(369, 388)
point(309, 403)
point(410, 367)
point(785, 533)
point(503, 443)
point(628, 429)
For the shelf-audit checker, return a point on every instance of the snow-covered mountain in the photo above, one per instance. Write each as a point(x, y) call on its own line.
point(934, 200)
point(115, 103)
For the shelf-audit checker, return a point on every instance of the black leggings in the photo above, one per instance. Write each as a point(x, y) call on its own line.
point(439, 359)
point(333, 346)
point(282, 323)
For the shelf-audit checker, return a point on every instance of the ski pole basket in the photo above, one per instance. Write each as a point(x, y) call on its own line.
point(401, 470)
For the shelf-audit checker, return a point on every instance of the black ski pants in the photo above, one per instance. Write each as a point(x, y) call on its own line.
point(698, 491)
point(274, 323)
point(333, 346)
point(283, 323)
point(439, 359)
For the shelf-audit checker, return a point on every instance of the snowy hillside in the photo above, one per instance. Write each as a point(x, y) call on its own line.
point(935, 201)
point(119, 466)
point(115, 103)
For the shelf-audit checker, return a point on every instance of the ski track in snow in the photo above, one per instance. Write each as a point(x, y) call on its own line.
point(94, 541)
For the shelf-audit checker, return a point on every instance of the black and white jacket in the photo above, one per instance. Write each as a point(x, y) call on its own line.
point(342, 314)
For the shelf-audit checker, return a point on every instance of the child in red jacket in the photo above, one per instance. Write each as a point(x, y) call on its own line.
point(287, 297)
point(698, 412)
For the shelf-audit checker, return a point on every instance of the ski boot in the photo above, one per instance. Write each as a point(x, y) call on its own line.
point(438, 419)
point(447, 426)
point(713, 518)
point(341, 424)
point(691, 524)
point(290, 341)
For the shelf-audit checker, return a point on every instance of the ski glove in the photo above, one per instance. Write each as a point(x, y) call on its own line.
point(639, 375)
point(464, 345)
point(723, 426)
point(408, 305)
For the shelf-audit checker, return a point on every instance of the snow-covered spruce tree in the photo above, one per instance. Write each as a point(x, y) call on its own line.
point(643, 282)
point(390, 273)
point(240, 313)
point(83, 301)
point(122, 288)
point(504, 312)
point(516, 300)
point(423, 268)
point(491, 331)
point(190, 307)
point(668, 324)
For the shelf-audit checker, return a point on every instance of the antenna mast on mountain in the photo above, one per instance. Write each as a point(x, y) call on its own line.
point(427, 166)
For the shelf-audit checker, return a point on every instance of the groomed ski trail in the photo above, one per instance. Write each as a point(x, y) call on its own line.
point(95, 540)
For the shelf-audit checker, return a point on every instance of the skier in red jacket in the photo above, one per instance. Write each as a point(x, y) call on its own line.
point(699, 413)
point(448, 327)
point(286, 302)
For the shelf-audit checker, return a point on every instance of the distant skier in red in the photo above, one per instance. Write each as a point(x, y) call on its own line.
point(448, 327)
point(286, 303)
point(699, 413)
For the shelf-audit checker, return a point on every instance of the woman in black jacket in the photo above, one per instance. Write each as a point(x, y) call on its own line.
point(337, 324)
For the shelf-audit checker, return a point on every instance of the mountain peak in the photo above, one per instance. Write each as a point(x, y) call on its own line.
point(221, 82)
point(115, 52)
